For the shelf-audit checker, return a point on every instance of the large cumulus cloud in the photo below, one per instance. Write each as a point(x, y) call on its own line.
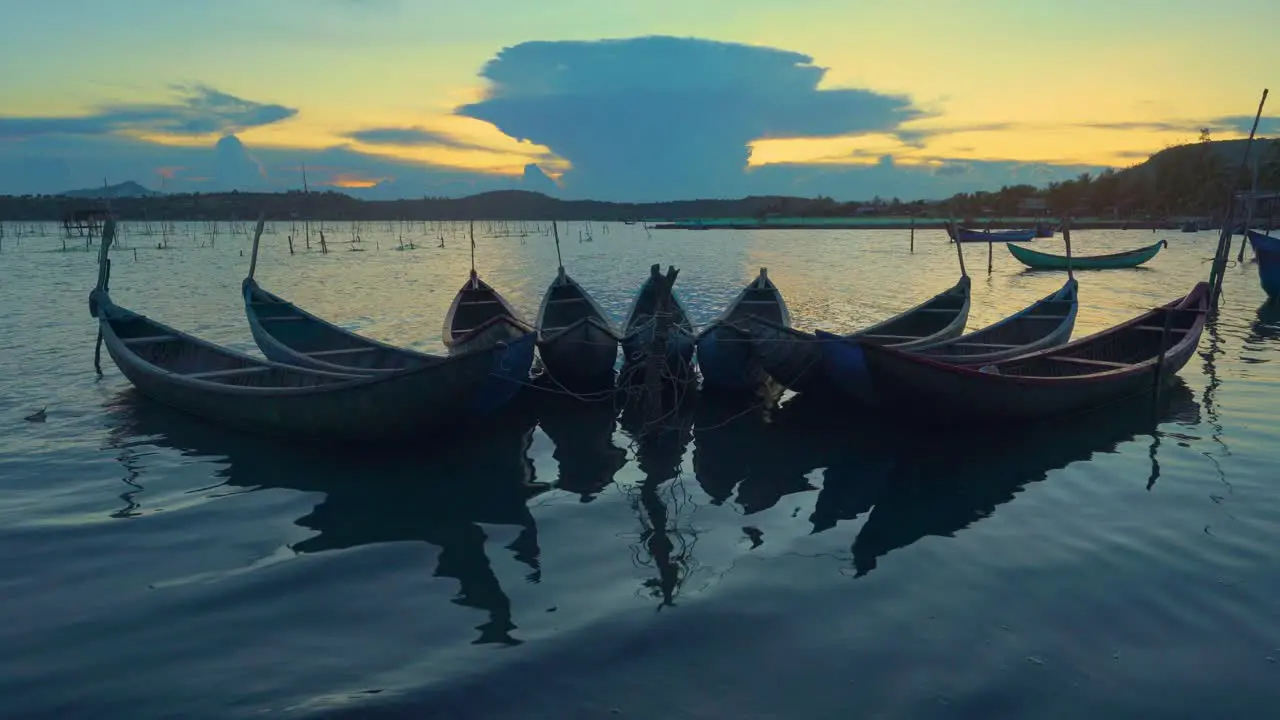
point(657, 118)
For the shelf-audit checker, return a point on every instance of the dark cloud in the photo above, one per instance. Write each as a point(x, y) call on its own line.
point(197, 110)
point(1243, 123)
point(656, 118)
point(412, 136)
point(916, 137)
point(1143, 126)
point(887, 178)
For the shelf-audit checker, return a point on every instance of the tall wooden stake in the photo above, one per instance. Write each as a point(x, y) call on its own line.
point(1066, 238)
point(657, 357)
point(960, 254)
point(990, 255)
point(1248, 213)
point(1224, 238)
point(913, 234)
point(257, 236)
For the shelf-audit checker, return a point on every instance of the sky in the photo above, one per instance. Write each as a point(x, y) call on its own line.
point(620, 100)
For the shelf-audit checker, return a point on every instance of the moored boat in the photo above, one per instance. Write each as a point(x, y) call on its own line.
point(479, 317)
point(1047, 261)
point(577, 343)
point(638, 330)
point(288, 334)
point(1135, 357)
point(725, 353)
point(962, 234)
point(1267, 250)
point(231, 388)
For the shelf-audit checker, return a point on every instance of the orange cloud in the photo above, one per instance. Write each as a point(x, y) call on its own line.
point(354, 180)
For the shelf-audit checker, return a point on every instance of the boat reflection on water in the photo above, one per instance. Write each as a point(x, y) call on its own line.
point(1266, 328)
point(382, 497)
point(663, 543)
point(954, 481)
point(763, 453)
point(583, 435)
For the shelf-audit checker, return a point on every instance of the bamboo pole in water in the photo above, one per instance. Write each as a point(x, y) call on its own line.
point(1224, 238)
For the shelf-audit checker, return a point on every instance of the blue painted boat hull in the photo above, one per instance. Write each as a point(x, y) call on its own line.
point(1267, 250)
point(727, 361)
point(967, 235)
point(508, 374)
point(844, 366)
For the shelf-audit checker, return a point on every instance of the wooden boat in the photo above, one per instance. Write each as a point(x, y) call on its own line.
point(288, 334)
point(1132, 358)
point(961, 234)
point(1044, 230)
point(263, 396)
point(480, 318)
point(639, 327)
point(725, 354)
point(794, 359)
point(1267, 249)
point(940, 318)
point(577, 343)
point(1046, 261)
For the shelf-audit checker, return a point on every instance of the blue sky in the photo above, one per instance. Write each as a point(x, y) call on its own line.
point(622, 100)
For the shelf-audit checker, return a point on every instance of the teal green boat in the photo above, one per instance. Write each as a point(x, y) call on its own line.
point(1044, 261)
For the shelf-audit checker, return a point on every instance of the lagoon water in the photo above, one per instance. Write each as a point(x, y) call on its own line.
point(772, 564)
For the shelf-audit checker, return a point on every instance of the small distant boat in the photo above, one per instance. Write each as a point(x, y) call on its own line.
point(1044, 230)
point(577, 343)
point(231, 388)
point(725, 355)
point(1047, 261)
point(961, 234)
point(639, 328)
point(1267, 249)
point(1132, 358)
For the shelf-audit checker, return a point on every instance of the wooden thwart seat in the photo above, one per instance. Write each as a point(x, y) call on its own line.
point(150, 339)
point(953, 311)
point(228, 373)
point(998, 346)
point(281, 318)
point(340, 351)
point(1086, 361)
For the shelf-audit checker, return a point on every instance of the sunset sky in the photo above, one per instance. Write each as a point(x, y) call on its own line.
point(621, 100)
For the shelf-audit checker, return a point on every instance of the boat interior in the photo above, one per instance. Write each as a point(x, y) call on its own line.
point(565, 304)
point(197, 360)
point(1143, 340)
point(319, 340)
point(477, 304)
point(923, 321)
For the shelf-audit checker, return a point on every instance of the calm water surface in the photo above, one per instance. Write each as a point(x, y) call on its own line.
point(778, 564)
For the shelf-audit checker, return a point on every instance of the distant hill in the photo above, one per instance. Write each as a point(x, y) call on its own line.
point(126, 189)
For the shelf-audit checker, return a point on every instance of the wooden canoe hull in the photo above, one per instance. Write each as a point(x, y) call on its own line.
point(1267, 250)
point(404, 405)
point(1115, 261)
point(583, 356)
point(923, 391)
point(920, 387)
point(728, 361)
point(792, 358)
